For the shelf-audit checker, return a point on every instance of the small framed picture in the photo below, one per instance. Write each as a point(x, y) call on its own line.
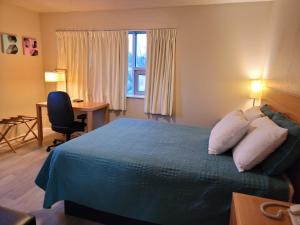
point(10, 44)
point(30, 46)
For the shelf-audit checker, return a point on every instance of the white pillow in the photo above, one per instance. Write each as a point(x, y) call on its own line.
point(253, 113)
point(227, 132)
point(263, 137)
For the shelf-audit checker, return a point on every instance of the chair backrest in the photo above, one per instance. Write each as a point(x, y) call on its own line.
point(60, 109)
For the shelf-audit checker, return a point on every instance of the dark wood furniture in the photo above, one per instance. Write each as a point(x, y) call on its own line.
point(13, 217)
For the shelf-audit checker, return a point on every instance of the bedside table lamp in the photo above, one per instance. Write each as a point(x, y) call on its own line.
point(58, 77)
point(255, 90)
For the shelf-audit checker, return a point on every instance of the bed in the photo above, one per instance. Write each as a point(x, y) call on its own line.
point(153, 172)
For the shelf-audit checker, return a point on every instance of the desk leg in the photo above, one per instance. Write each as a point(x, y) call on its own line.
point(90, 120)
point(39, 124)
point(106, 115)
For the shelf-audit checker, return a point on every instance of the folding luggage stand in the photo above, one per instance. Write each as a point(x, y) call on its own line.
point(15, 121)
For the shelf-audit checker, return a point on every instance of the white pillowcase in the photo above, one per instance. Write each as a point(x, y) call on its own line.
point(263, 137)
point(253, 113)
point(227, 132)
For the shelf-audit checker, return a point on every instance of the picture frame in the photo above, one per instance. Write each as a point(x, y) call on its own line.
point(30, 46)
point(10, 44)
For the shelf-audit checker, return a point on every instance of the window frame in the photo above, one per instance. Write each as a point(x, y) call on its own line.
point(136, 71)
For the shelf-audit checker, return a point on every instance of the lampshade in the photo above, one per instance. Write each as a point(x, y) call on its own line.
point(57, 76)
point(256, 89)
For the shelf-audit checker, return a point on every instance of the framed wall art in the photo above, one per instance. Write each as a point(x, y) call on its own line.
point(30, 46)
point(10, 44)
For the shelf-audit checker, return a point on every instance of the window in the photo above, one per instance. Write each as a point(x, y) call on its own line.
point(137, 59)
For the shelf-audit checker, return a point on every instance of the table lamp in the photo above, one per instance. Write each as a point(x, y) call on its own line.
point(58, 77)
point(255, 90)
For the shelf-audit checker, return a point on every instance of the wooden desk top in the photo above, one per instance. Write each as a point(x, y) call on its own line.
point(82, 106)
point(247, 211)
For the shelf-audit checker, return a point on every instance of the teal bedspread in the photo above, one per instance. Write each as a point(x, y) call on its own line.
point(149, 171)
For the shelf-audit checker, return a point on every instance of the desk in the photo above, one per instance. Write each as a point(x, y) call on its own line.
point(88, 107)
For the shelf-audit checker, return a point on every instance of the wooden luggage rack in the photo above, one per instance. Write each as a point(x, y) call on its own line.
point(8, 124)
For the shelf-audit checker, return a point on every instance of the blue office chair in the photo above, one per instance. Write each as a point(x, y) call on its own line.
point(61, 116)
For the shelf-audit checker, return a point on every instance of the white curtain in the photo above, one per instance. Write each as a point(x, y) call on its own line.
point(160, 77)
point(108, 67)
point(72, 54)
point(96, 62)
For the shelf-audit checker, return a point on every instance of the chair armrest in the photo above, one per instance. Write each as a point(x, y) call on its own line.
point(81, 117)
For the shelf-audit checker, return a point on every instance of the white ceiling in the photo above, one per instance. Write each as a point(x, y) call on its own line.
point(90, 5)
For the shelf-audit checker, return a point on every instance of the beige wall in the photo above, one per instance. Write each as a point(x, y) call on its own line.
point(21, 77)
point(217, 48)
point(283, 69)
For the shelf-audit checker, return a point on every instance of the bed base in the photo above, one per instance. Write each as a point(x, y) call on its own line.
point(74, 209)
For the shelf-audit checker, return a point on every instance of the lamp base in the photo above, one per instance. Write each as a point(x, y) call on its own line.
point(61, 86)
point(254, 102)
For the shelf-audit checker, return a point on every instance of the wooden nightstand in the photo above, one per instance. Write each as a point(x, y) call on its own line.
point(245, 211)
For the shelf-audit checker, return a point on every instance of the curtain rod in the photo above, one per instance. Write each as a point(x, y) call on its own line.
point(116, 29)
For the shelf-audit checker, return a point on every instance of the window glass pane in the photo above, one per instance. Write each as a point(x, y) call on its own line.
point(130, 84)
point(130, 50)
point(137, 54)
point(141, 50)
point(141, 84)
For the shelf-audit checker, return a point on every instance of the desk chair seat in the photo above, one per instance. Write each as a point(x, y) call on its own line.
point(61, 116)
point(12, 217)
point(75, 126)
